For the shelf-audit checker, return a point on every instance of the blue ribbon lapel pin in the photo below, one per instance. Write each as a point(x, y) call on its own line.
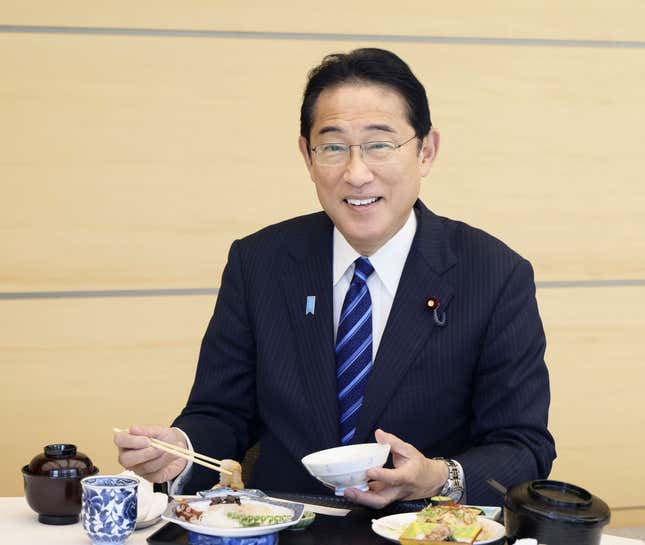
point(311, 305)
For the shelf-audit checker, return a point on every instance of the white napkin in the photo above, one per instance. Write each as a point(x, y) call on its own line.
point(150, 504)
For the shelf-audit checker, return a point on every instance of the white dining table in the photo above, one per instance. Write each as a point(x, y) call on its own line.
point(19, 526)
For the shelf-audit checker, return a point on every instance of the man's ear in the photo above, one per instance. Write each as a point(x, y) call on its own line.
point(303, 145)
point(429, 151)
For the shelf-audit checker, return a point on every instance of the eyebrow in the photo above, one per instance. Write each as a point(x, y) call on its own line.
point(379, 127)
point(374, 127)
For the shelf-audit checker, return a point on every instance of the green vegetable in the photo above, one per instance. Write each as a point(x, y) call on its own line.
point(441, 500)
point(259, 520)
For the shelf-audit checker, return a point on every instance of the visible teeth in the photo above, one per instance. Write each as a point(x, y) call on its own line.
point(361, 202)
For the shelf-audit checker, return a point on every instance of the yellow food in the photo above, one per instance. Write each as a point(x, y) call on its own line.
point(438, 524)
point(234, 480)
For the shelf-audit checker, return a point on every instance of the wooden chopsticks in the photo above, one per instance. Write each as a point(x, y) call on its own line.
point(195, 457)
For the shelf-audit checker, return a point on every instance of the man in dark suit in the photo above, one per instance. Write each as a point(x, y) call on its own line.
point(373, 319)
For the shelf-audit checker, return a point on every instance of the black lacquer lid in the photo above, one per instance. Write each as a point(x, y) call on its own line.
point(61, 460)
point(559, 501)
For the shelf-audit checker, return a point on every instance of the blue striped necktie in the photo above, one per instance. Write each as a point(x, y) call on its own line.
point(354, 348)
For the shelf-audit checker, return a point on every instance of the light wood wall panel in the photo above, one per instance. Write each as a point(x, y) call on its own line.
point(133, 162)
point(595, 348)
point(74, 369)
point(574, 19)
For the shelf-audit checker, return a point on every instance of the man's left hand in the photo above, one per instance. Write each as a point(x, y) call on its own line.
point(414, 476)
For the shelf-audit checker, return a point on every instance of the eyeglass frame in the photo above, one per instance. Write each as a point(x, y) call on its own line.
point(350, 146)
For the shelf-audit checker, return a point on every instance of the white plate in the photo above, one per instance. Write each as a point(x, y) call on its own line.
point(250, 531)
point(391, 527)
point(147, 523)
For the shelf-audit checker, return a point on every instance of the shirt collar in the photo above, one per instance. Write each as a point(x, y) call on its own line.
point(388, 260)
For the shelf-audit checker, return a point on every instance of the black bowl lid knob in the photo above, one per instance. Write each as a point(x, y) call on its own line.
point(60, 450)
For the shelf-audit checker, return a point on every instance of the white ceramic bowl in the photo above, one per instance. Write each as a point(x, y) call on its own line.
point(346, 467)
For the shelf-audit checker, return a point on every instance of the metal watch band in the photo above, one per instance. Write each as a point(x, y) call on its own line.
point(453, 487)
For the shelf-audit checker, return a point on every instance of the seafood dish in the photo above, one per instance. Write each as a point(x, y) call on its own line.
point(234, 515)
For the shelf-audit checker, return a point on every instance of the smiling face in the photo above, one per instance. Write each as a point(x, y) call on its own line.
point(368, 203)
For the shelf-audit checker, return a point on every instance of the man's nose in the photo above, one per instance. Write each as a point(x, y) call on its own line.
point(357, 172)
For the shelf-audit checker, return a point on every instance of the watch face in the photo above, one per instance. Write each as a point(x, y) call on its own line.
point(453, 490)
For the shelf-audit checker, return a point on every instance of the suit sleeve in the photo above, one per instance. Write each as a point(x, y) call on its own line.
point(221, 409)
point(511, 397)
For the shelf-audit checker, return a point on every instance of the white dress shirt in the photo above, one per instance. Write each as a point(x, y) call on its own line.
point(388, 262)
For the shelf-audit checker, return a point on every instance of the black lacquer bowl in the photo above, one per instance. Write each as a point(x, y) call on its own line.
point(53, 483)
point(554, 512)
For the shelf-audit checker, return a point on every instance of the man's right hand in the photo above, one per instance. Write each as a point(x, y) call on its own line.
point(137, 454)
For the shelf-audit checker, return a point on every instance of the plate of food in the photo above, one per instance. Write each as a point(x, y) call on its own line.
point(233, 516)
point(438, 524)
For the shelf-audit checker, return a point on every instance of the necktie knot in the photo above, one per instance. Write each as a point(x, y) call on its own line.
point(362, 269)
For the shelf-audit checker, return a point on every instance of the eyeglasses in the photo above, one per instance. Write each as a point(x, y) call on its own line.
point(333, 153)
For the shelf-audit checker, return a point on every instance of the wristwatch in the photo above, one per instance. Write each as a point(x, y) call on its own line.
point(454, 487)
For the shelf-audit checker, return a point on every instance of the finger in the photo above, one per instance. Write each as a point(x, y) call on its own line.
point(397, 446)
point(153, 466)
point(376, 498)
point(149, 431)
point(124, 440)
point(139, 437)
point(168, 472)
point(391, 477)
point(168, 435)
point(130, 458)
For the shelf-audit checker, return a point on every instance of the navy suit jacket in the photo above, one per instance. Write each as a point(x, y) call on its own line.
point(475, 389)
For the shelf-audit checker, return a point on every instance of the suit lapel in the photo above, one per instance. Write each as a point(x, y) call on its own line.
point(410, 323)
point(309, 273)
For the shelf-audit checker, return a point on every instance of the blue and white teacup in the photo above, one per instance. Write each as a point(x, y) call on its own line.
point(109, 510)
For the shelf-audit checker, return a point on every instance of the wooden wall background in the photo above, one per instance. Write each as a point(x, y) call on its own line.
point(131, 160)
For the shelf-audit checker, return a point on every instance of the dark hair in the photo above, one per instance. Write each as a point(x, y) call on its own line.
point(368, 65)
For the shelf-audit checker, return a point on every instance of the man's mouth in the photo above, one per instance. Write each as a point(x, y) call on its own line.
point(362, 202)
